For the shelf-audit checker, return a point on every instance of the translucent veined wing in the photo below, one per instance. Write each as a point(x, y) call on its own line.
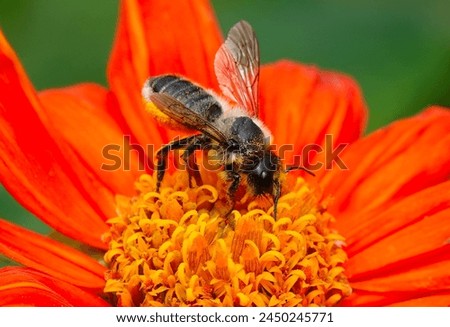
point(237, 67)
point(186, 117)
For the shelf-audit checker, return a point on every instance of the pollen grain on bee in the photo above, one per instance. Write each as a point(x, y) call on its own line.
point(130, 155)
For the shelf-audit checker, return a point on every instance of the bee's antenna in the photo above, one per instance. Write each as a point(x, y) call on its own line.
point(291, 168)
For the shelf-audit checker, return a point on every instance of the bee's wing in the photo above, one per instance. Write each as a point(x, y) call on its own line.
point(186, 117)
point(237, 67)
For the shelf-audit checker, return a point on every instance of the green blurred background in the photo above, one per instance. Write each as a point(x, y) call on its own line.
point(398, 51)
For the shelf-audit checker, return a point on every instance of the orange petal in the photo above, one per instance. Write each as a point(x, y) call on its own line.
point(414, 209)
point(439, 300)
point(402, 254)
point(397, 299)
point(26, 287)
point(82, 116)
point(156, 37)
point(49, 256)
point(34, 169)
point(391, 163)
point(415, 243)
point(301, 104)
point(417, 276)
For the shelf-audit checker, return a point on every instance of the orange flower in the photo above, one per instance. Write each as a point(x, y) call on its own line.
point(392, 204)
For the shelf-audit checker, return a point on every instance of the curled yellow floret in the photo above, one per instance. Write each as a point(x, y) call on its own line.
point(174, 248)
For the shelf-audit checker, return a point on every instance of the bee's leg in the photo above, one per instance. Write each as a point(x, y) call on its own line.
point(161, 164)
point(196, 143)
point(276, 197)
point(163, 153)
point(235, 179)
point(193, 171)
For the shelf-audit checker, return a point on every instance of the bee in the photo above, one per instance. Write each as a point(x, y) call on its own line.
point(236, 134)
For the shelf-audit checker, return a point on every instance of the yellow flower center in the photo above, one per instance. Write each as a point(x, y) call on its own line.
point(174, 248)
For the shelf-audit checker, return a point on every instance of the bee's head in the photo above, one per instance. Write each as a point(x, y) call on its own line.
point(263, 172)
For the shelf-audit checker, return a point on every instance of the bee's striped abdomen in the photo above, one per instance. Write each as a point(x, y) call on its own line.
point(190, 95)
